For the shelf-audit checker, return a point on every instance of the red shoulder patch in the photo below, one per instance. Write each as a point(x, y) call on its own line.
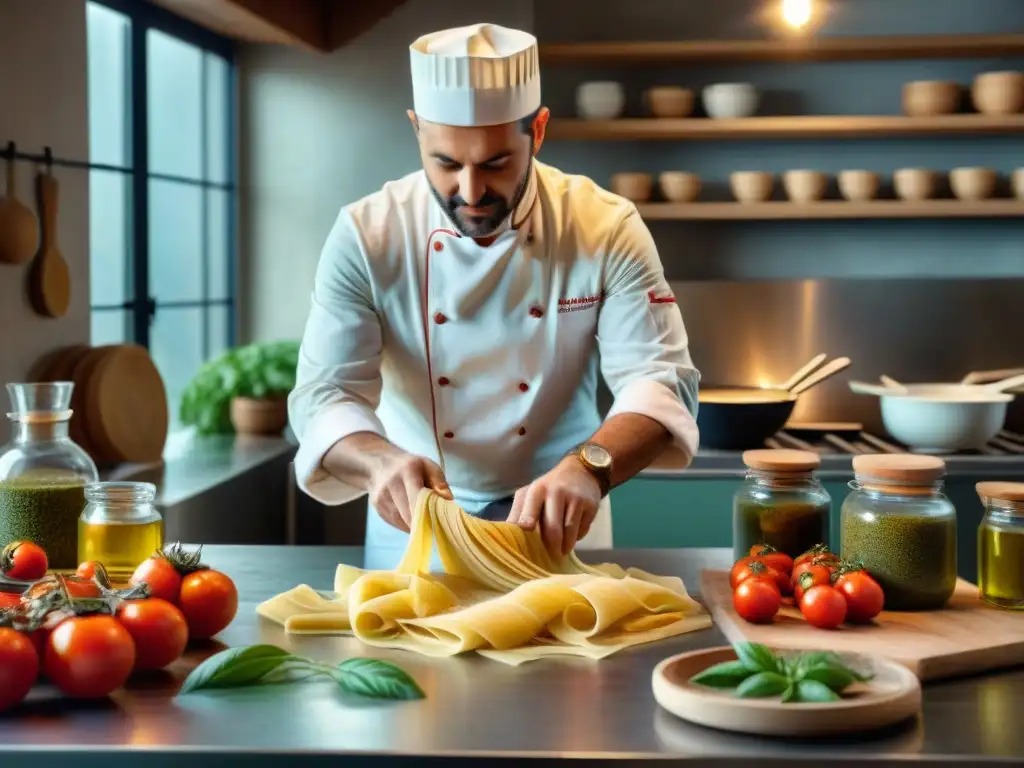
point(655, 299)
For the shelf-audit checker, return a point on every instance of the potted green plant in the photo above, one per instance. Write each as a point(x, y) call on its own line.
point(244, 390)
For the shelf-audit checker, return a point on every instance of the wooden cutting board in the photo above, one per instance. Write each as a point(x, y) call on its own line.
point(966, 637)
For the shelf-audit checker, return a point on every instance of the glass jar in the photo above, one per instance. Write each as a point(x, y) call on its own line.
point(900, 524)
point(1001, 545)
point(780, 503)
point(120, 527)
point(43, 473)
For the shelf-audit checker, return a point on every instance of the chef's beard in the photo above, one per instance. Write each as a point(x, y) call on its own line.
point(482, 226)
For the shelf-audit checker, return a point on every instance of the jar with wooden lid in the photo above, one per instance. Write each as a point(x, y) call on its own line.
point(780, 503)
point(898, 522)
point(43, 473)
point(1001, 545)
point(120, 527)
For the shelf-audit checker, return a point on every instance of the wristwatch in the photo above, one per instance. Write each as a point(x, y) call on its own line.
point(597, 461)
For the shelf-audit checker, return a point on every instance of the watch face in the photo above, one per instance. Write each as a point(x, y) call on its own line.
point(596, 455)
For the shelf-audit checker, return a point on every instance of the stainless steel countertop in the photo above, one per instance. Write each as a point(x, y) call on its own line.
point(593, 711)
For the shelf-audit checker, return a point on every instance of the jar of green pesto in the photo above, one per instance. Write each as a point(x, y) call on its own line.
point(780, 503)
point(43, 473)
point(899, 523)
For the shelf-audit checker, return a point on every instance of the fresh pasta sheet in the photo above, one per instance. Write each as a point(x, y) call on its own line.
point(501, 595)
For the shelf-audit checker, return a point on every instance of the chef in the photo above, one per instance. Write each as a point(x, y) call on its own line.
point(460, 315)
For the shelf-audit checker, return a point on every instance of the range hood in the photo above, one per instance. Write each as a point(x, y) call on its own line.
point(318, 25)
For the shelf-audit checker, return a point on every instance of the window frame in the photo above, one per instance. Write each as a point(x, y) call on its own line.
point(142, 307)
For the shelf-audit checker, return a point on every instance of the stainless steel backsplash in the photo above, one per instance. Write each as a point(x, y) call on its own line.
point(761, 332)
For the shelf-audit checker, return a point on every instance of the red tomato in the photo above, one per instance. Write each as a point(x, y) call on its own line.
point(757, 568)
point(811, 576)
point(864, 596)
point(757, 600)
point(806, 565)
point(24, 561)
point(770, 556)
point(19, 666)
point(158, 629)
point(209, 601)
point(815, 552)
point(89, 657)
point(161, 577)
point(9, 600)
point(823, 607)
point(87, 570)
point(81, 588)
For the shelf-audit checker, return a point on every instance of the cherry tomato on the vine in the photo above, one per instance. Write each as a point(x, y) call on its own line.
point(24, 561)
point(158, 629)
point(89, 656)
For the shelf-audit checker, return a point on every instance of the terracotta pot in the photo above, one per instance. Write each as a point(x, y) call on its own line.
point(251, 416)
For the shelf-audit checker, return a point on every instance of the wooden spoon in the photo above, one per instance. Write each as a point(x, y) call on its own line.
point(892, 384)
point(800, 375)
point(824, 373)
point(19, 230)
point(49, 280)
point(1005, 384)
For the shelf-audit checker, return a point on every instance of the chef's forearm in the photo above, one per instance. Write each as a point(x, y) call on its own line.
point(633, 441)
point(354, 459)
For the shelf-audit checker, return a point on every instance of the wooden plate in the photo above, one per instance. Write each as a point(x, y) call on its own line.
point(891, 697)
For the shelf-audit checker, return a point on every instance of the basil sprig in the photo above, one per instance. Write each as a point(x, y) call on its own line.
point(267, 665)
point(810, 677)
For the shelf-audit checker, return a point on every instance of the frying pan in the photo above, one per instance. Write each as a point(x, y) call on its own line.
point(735, 418)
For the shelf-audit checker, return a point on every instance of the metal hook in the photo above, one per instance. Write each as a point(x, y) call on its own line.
point(48, 159)
point(11, 151)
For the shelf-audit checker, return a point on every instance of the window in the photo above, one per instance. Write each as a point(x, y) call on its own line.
point(162, 189)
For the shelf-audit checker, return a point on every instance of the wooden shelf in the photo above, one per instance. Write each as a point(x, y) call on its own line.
point(803, 49)
point(833, 209)
point(784, 127)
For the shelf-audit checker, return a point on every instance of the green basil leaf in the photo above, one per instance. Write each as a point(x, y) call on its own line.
point(728, 674)
point(756, 657)
point(236, 667)
point(789, 694)
point(813, 692)
point(836, 677)
point(762, 684)
point(376, 679)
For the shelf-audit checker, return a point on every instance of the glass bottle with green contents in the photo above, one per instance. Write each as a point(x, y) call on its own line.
point(898, 522)
point(43, 473)
point(1001, 545)
point(780, 503)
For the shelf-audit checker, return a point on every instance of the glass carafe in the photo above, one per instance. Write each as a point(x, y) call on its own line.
point(43, 473)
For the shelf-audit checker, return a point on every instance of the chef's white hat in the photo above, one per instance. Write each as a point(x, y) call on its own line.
point(482, 74)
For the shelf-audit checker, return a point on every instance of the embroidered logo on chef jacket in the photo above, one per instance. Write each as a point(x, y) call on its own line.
point(653, 298)
point(578, 304)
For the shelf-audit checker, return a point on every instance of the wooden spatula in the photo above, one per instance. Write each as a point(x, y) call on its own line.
point(49, 280)
point(19, 230)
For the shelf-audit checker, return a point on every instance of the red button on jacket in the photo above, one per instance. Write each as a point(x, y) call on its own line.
point(536, 312)
point(439, 318)
point(524, 387)
point(443, 381)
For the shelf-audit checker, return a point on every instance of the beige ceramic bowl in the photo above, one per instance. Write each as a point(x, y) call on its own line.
point(931, 97)
point(751, 186)
point(914, 183)
point(858, 186)
point(804, 186)
point(1017, 183)
point(679, 186)
point(669, 101)
point(633, 186)
point(972, 183)
point(998, 93)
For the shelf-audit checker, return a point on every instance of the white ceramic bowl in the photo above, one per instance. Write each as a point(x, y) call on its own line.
point(1017, 183)
point(933, 426)
point(858, 186)
point(804, 186)
point(600, 100)
point(972, 183)
point(730, 100)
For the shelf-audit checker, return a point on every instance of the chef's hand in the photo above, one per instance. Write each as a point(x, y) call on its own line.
point(564, 503)
point(397, 481)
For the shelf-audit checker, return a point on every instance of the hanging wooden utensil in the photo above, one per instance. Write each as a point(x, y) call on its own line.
point(49, 279)
point(826, 372)
point(804, 372)
point(19, 229)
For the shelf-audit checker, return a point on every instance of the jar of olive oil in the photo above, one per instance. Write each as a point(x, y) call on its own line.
point(120, 526)
point(901, 525)
point(780, 503)
point(1001, 545)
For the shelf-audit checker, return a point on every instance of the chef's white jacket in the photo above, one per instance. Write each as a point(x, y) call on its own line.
point(485, 358)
